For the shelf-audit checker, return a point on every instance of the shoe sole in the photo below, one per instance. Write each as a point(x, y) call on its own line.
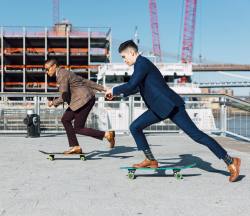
point(152, 167)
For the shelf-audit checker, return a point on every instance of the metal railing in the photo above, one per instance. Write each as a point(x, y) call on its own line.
point(212, 113)
point(231, 115)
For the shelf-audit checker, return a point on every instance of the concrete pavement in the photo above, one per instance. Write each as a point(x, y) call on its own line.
point(31, 185)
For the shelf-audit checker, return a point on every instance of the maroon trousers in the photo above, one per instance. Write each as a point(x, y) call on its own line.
point(80, 117)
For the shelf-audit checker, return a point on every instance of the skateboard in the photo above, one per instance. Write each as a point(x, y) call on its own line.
point(176, 170)
point(51, 155)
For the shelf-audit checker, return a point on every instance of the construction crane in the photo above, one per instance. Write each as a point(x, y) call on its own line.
point(155, 29)
point(188, 31)
point(56, 11)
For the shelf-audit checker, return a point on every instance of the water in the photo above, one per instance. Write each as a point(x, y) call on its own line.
point(237, 124)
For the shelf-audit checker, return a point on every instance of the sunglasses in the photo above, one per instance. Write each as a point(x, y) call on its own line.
point(47, 69)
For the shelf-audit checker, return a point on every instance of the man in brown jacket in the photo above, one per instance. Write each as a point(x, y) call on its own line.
point(79, 93)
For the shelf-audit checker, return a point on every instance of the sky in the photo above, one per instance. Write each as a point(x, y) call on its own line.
point(222, 33)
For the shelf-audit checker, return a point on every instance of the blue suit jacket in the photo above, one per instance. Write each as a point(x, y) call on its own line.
point(156, 94)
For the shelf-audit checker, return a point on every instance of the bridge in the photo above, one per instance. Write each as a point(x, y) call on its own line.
point(224, 84)
point(220, 67)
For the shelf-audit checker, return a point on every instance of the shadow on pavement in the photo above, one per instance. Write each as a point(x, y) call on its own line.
point(185, 159)
point(96, 154)
point(164, 175)
point(114, 153)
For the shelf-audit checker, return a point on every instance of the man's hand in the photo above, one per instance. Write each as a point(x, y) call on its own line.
point(108, 94)
point(50, 103)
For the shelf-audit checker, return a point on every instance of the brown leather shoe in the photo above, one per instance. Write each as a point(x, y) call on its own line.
point(111, 138)
point(147, 163)
point(234, 169)
point(73, 150)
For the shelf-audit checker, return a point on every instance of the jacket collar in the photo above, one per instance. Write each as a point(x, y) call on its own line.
point(138, 59)
point(58, 70)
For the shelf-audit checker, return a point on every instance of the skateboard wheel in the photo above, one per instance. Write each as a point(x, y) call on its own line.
point(51, 157)
point(131, 175)
point(178, 175)
point(82, 157)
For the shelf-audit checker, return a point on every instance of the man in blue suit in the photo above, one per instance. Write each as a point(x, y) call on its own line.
point(162, 102)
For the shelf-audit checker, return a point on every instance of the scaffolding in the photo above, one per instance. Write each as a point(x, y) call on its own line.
point(24, 50)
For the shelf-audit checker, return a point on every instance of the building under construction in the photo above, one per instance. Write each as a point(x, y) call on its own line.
point(25, 49)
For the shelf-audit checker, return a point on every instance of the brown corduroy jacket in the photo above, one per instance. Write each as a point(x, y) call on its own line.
point(75, 90)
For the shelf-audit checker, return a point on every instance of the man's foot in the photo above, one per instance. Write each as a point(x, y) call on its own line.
point(147, 163)
point(234, 169)
point(110, 136)
point(73, 150)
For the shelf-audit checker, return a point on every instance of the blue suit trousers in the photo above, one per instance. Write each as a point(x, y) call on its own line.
point(180, 117)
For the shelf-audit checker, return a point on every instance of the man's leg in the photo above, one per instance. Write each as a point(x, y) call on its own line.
point(81, 116)
point(67, 118)
point(180, 117)
point(146, 119)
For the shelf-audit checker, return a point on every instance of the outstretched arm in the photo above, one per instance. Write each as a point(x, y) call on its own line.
point(93, 85)
point(132, 87)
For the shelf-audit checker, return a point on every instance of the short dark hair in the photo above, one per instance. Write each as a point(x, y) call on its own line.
point(51, 62)
point(126, 44)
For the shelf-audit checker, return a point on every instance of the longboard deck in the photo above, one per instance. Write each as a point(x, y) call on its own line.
point(176, 170)
point(51, 155)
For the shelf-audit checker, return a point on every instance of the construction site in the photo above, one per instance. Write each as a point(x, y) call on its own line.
point(24, 51)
